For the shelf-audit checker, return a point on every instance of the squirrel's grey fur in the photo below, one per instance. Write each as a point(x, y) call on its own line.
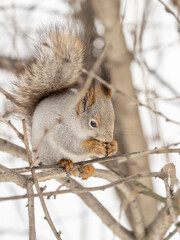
point(65, 140)
point(46, 88)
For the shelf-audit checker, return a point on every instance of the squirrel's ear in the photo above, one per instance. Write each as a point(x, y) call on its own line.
point(108, 92)
point(91, 96)
point(106, 76)
point(86, 101)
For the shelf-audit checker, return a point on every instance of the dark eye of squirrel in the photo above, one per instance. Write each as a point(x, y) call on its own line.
point(93, 124)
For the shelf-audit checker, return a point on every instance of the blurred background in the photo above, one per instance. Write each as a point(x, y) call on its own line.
point(143, 58)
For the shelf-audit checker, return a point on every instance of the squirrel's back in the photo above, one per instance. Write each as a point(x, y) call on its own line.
point(60, 54)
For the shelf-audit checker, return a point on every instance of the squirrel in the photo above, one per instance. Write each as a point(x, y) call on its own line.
point(49, 85)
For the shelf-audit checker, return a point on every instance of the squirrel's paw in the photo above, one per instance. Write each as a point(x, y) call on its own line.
point(86, 171)
point(101, 148)
point(66, 164)
point(96, 147)
point(111, 148)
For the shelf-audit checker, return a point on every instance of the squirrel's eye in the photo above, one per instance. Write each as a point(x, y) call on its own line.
point(93, 124)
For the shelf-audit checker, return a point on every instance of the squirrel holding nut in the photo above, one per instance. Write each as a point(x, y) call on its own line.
point(47, 90)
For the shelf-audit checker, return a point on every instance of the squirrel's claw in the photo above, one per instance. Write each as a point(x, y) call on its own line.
point(111, 148)
point(101, 148)
point(86, 171)
point(96, 147)
point(66, 164)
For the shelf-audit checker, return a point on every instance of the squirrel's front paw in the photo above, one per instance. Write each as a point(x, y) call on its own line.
point(101, 148)
point(111, 148)
point(96, 147)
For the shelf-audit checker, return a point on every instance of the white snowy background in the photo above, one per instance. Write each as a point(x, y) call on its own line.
point(68, 212)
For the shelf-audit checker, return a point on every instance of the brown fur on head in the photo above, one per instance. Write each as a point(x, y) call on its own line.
point(96, 115)
point(96, 90)
point(106, 76)
point(91, 96)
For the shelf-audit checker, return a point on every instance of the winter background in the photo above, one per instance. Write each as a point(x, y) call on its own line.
point(161, 51)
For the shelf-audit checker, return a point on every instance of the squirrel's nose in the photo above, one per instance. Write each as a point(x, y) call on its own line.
point(108, 139)
point(108, 136)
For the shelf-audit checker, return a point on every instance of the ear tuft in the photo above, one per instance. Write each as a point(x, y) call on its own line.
point(82, 104)
point(109, 93)
point(88, 100)
point(91, 98)
point(106, 76)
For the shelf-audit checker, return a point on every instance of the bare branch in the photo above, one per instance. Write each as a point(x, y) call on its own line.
point(8, 123)
point(16, 150)
point(130, 98)
point(159, 78)
point(171, 235)
point(169, 10)
point(108, 175)
point(101, 212)
point(11, 64)
point(169, 197)
point(130, 197)
point(13, 149)
point(47, 216)
point(7, 175)
point(160, 225)
point(9, 96)
point(30, 193)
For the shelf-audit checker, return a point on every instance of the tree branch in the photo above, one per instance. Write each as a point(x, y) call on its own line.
point(160, 225)
point(101, 212)
point(13, 149)
point(47, 216)
point(7, 175)
point(30, 193)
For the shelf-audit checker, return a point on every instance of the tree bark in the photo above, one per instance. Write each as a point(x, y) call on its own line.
point(127, 116)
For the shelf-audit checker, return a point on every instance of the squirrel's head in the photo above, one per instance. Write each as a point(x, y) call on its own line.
point(96, 115)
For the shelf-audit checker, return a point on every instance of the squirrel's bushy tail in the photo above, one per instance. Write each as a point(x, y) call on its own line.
point(60, 54)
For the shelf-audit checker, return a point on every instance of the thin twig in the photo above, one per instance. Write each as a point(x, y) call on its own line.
point(30, 193)
point(103, 187)
point(101, 212)
point(169, 203)
point(169, 10)
point(159, 78)
point(8, 123)
point(9, 96)
point(160, 224)
point(40, 195)
point(105, 174)
point(171, 234)
point(120, 158)
point(132, 99)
